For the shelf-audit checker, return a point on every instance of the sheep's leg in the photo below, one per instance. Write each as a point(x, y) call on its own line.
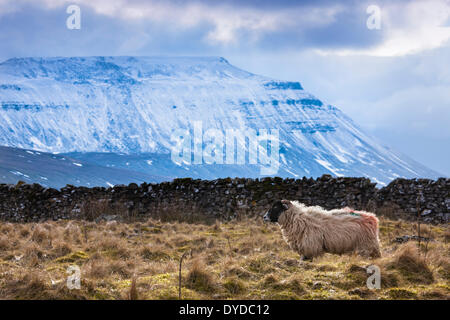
point(305, 258)
point(376, 253)
point(371, 251)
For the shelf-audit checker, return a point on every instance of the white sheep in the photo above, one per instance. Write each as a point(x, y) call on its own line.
point(313, 231)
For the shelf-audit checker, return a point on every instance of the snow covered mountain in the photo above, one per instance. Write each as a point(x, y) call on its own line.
point(123, 111)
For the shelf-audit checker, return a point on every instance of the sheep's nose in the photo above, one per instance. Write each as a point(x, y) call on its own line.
point(266, 217)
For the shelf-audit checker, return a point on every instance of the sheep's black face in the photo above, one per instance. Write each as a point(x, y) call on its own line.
point(274, 213)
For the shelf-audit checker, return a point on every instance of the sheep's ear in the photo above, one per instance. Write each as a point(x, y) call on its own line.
point(285, 204)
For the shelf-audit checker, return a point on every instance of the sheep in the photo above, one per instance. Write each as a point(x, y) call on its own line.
point(313, 231)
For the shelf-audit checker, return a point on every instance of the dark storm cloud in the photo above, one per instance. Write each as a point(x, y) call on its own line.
point(38, 28)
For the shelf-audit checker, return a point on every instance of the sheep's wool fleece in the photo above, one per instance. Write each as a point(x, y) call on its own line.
point(313, 231)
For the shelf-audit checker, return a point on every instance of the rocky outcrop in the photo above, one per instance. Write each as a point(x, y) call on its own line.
point(222, 198)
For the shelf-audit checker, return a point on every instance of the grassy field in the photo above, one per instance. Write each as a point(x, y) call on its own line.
point(244, 259)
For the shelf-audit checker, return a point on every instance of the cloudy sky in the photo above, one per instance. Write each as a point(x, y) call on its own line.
point(393, 81)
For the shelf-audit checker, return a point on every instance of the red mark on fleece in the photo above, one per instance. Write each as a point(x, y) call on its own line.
point(369, 221)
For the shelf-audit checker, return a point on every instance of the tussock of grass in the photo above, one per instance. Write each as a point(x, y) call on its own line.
point(4, 243)
point(234, 286)
point(153, 253)
point(243, 259)
point(436, 294)
point(238, 271)
point(27, 286)
point(294, 284)
point(401, 293)
point(199, 278)
point(61, 248)
point(261, 264)
point(447, 235)
point(414, 267)
point(40, 234)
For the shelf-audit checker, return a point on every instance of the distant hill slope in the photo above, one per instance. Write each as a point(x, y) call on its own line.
point(56, 171)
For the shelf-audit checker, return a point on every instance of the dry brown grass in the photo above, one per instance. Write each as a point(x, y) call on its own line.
point(408, 261)
point(244, 259)
point(199, 278)
point(447, 235)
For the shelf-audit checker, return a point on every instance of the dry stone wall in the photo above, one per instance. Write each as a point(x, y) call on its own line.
point(222, 198)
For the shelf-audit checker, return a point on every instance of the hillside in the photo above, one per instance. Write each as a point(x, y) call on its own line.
point(55, 170)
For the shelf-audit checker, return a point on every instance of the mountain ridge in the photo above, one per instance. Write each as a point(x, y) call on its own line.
point(132, 106)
